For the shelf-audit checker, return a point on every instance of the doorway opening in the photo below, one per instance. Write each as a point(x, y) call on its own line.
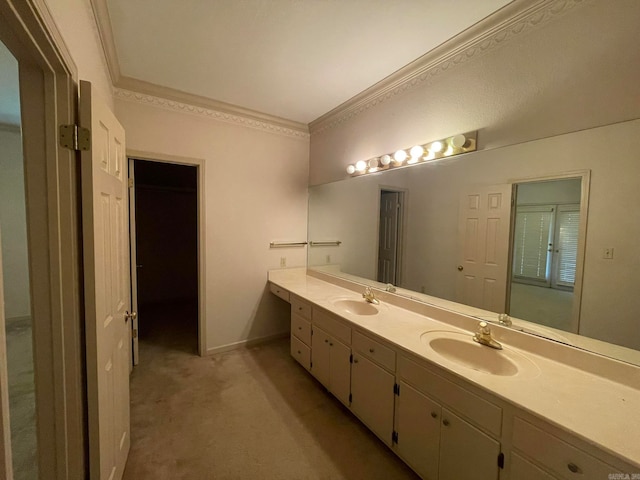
point(165, 260)
point(390, 230)
point(547, 241)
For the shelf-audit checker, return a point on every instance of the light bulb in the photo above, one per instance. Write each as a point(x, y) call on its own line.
point(385, 160)
point(400, 156)
point(416, 152)
point(436, 147)
point(373, 163)
point(361, 165)
point(351, 169)
point(459, 141)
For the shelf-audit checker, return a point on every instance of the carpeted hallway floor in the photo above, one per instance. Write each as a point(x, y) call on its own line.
point(248, 414)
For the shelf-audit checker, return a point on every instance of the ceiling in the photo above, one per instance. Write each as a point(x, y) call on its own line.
point(294, 59)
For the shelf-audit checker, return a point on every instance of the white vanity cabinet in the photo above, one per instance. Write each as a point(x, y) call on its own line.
point(536, 448)
point(331, 353)
point(331, 364)
point(435, 441)
point(373, 385)
point(300, 329)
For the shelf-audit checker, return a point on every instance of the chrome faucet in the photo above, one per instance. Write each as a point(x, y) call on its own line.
point(504, 319)
point(483, 336)
point(370, 297)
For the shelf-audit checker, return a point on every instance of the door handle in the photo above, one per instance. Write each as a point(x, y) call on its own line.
point(132, 316)
point(460, 268)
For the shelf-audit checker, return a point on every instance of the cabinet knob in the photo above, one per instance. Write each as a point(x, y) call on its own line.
point(573, 468)
point(355, 360)
point(330, 344)
point(460, 268)
point(434, 415)
point(326, 341)
point(371, 350)
point(299, 308)
point(445, 422)
point(299, 352)
point(299, 328)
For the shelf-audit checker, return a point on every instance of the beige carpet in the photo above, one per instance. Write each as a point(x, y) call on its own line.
point(243, 415)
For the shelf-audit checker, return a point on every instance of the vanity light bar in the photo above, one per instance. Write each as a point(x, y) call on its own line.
point(428, 152)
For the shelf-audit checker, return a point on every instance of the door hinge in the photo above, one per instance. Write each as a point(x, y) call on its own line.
point(396, 389)
point(130, 182)
point(74, 137)
point(351, 358)
point(501, 460)
point(310, 365)
point(350, 398)
point(134, 333)
point(394, 437)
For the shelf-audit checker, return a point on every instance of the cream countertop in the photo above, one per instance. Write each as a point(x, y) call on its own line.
point(601, 411)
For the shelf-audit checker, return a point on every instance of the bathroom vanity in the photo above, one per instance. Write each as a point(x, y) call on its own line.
point(452, 408)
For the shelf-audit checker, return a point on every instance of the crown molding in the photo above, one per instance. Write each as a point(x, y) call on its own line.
point(102, 23)
point(491, 32)
point(205, 107)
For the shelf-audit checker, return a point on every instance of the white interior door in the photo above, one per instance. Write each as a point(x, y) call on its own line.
point(388, 237)
point(107, 287)
point(134, 261)
point(6, 470)
point(483, 246)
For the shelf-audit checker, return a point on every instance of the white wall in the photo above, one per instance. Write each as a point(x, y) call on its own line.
point(256, 192)
point(13, 222)
point(578, 70)
point(76, 23)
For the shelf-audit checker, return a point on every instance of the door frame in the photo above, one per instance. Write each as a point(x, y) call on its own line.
point(200, 165)
point(404, 193)
point(48, 95)
point(585, 177)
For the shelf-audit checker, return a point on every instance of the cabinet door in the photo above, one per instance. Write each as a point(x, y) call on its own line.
point(340, 383)
point(372, 396)
point(521, 469)
point(418, 427)
point(465, 451)
point(321, 356)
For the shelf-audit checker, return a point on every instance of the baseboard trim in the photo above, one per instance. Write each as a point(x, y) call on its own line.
point(252, 342)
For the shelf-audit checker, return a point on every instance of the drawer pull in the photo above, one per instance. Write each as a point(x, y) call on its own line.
point(299, 352)
point(573, 468)
point(371, 350)
point(326, 341)
point(434, 415)
point(331, 344)
point(445, 422)
point(299, 308)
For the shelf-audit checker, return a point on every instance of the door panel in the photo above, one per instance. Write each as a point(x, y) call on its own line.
point(465, 451)
point(418, 427)
point(388, 237)
point(107, 287)
point(373, 398)
point(133, 262)
point(483, 245)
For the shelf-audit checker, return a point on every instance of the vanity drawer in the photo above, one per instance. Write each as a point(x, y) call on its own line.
point(301, 328)
point(375, 350)
point(332, 326)
point(300, 307)
point(563, 459)
point(480, 411)
point(300, 352)
point(279, 291)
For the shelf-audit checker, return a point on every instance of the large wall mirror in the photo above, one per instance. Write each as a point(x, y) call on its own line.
point(561, 233)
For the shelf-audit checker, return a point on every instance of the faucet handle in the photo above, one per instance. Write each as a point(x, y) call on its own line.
point(483, 328)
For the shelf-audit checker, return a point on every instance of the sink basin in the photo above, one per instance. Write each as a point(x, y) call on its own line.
point(459, 348)
point(356, 307)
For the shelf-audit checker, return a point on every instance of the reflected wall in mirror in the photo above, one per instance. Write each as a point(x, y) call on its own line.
point(349, 211)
